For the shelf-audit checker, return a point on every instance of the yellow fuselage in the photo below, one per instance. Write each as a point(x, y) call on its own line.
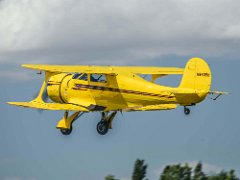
point(118, 92)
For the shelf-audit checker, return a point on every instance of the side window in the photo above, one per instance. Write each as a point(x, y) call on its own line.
point(80, 76)
point(98, 78)
point(83, 77)
point(76, 75)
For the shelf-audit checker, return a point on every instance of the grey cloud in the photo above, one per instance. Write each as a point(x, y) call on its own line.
point(115, 32)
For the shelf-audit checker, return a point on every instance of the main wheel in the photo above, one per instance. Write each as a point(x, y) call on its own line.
point(66, 131)
point(102, 127)
point(186, 111)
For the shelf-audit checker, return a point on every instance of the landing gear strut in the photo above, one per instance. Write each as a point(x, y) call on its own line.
point(65, 124)
point(186, 110)
point(105, 123)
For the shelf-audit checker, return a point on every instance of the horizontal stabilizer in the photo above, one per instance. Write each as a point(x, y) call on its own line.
point(49, 106)
point(219, 92)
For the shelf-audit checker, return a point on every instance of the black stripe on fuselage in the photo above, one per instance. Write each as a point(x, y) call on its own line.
point(84, 87)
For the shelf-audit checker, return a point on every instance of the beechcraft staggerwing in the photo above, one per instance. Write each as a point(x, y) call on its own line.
point(110, 89)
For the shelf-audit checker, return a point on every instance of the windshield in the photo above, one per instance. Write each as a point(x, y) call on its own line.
point(76, 75)
point(80, 76)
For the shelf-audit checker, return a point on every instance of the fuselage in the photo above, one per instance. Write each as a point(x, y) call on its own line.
point(120, 90)
point(117, 91)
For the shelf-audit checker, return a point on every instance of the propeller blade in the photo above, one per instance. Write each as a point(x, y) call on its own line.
point(45, 96)
point(40, 111)
point(122, 114)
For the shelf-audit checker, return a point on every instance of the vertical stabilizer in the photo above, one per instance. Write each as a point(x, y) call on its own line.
point(196, 80)
point(197, 75)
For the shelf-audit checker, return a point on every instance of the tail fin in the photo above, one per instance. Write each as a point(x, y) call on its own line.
point(196, 76)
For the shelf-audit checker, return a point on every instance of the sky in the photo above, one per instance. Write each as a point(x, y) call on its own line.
point(111, 32)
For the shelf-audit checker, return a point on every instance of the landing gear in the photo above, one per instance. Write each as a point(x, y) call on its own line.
point(102, 127)
point(186, 110)
point(105, 123)
point(66, 131)
point(65, 124)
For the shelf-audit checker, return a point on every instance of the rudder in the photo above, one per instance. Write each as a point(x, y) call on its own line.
point(197, 76)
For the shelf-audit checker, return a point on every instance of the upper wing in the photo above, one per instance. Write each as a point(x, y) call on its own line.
point(106, 69)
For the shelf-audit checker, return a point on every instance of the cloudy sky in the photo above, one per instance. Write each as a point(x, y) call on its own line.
point(116, 32)
point(111, 32)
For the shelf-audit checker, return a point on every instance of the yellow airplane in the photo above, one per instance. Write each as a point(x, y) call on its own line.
point(109, 89)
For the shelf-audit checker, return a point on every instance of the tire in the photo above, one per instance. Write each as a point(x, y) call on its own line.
point(102, 127)
point(186, 111)
point(66, 131)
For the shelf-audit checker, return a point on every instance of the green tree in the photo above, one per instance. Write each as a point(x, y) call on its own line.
point(176, 172)
point(232, 176)
point(139, 170)
point(110, 177)
point(179, 172)
point(198, 173)
point(220, 176)
point(224, 176)
point(186, 172)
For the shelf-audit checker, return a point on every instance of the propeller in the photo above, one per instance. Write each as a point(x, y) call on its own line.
point(122, 114)
point(45, 98)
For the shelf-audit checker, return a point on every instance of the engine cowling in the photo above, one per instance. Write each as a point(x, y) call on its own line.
point(54, 86)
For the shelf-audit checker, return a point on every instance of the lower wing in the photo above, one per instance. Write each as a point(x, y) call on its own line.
point(77, 107)
point(49, 106)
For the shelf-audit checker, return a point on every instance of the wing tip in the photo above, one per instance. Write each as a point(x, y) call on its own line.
point(11, 103)
point(16, 103)
point(30, 66)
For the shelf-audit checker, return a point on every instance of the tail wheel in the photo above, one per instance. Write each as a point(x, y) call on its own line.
point(186, 111)
point(66, 131)
point(102, 127)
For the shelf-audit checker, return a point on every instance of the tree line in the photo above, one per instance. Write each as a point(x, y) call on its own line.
point(178, 172)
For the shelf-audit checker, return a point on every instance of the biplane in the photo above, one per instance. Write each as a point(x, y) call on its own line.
point(112, 89)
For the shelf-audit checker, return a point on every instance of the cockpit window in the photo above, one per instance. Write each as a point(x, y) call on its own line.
point(83, 77)
point(80, 76)
point(93, 77)
point(98, 78)
point(76, 75)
